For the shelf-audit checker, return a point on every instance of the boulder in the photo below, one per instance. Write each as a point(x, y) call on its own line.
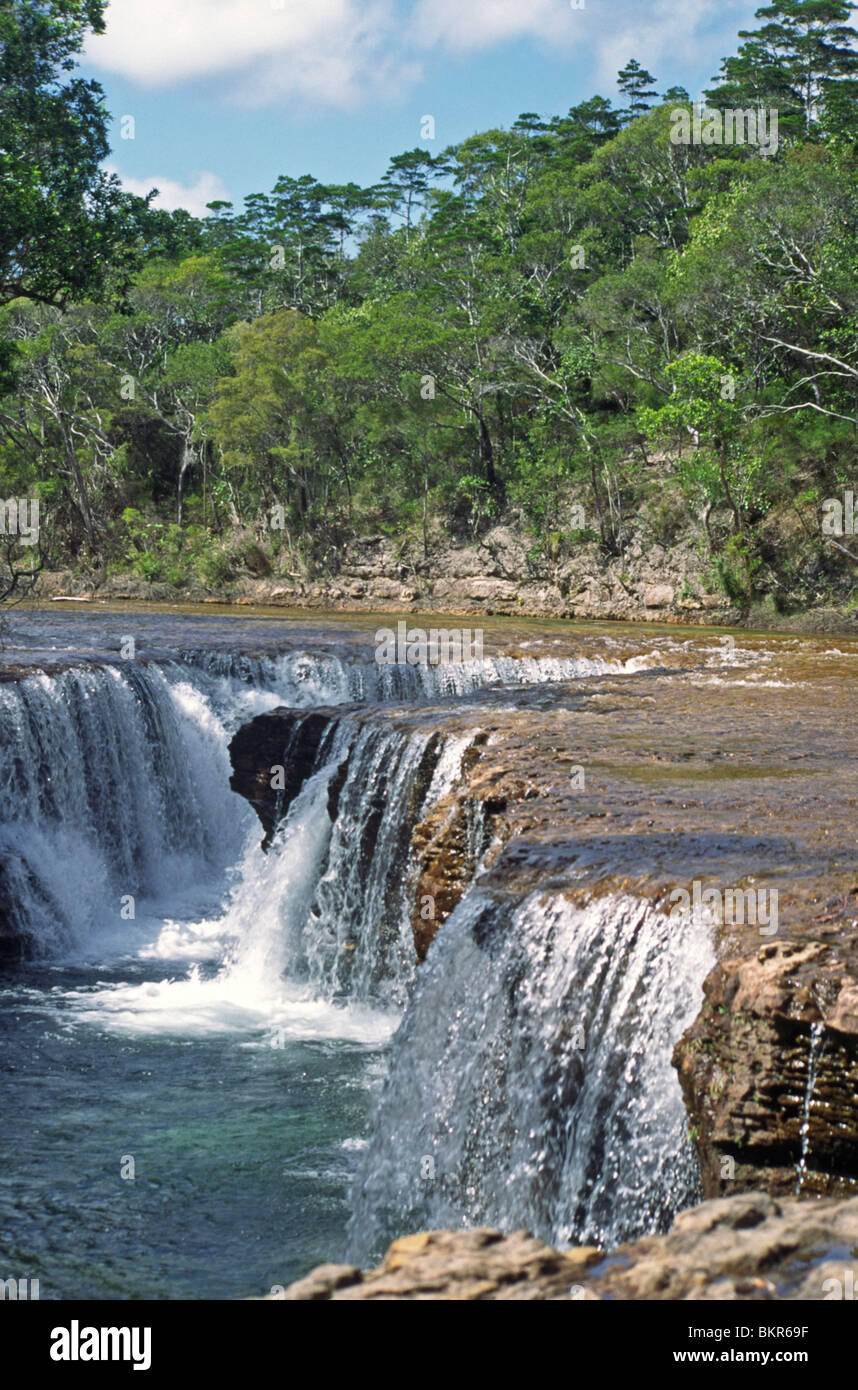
point(750, 1247)
point(282, 738)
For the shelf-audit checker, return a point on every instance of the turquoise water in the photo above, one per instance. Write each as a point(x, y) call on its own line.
point(244, 1147)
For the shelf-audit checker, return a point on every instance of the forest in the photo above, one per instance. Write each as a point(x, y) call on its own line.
point(580, 325)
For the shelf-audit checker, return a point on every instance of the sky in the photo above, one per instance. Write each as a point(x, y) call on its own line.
point(223, 96)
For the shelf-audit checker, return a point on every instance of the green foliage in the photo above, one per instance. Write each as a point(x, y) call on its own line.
point(573, 315)
point(480, 505)
point(66, 227)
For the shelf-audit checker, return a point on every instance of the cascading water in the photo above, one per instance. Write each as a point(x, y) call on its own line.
point(306, 679)
point(336, 917)
point(280, 975)
point(531, 1084)
point(113, 784)
point(816, 1048)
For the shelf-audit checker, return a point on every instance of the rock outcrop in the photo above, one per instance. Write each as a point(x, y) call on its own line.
point(747, 1247)
point(272, 757)
point(499, 573)
point(769, 1070)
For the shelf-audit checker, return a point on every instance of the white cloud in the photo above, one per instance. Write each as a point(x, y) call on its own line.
point(667, 32)
point(608, 32)
point(338, 53)
point(206, 188)
point(467, 25)
point(328, 51)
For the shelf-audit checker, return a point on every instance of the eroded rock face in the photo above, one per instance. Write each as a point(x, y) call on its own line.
point(747, 1247)
point(769, 1070)
point(281, 739)
point(452, 839)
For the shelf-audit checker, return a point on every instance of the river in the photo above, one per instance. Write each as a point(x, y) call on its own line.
point(203, 1089)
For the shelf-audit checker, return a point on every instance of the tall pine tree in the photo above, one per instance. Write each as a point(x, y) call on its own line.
point(636, 85)
point(802, 59)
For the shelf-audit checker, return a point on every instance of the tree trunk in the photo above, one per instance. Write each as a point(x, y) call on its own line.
point(184, 469)
point(487, 457)
point(722, 470)
point(83, 497)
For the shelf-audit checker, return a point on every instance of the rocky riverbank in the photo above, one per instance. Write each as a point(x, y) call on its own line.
point(500, 574)
point(744, 1248)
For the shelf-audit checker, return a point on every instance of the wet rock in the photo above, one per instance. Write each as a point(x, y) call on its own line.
point(321, 1284)
point(769, 1070)
point(282, 738)
point(749, 1247)
point(13, 945)
point(448, 844)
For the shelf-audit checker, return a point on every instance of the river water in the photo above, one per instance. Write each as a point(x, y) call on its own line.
point(203, 1089)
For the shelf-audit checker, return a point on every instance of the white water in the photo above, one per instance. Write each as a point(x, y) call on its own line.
point(305, 680)
point(531, 1083)
point(115, 783)
point(816, 1048)
point(115, 789)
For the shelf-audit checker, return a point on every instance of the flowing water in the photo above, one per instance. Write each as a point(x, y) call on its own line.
point(532, 1083)
point(203, 1088)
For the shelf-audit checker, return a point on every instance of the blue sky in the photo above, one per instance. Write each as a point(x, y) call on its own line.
point(226, 95)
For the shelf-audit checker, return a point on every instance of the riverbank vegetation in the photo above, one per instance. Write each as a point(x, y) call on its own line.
point(579, 325)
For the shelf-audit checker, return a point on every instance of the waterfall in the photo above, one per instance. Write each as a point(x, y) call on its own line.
point(531, 1083)
point(330, 906)
point(816, 1047)
point(303, 678)
point(113, 785)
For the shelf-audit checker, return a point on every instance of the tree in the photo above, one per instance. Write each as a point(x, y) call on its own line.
point(66, 227)
point(636, 84)
point(802, 58)
point(266, 416)
point(704, 403)
point(588, 125)
point(406, 183)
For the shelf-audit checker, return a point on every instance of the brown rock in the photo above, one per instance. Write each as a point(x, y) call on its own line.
point(772, 1021)
point(744, 1248)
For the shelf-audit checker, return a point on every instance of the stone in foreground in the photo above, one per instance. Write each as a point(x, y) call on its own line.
point(748, 1247)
